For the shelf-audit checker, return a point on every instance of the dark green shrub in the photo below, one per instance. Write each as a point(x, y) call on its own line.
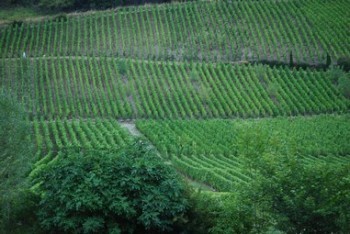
point(291, 62)
point(328, 61)
point(110, 192)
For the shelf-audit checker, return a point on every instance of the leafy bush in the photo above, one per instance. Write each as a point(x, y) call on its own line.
point(298, 197)
point(109, 192)
point(335, 73)
point(222, 213)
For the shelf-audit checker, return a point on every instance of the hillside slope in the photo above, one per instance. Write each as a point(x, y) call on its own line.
point(201, 31)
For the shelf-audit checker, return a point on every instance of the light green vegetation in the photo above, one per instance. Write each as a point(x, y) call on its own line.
point(212, 151)
point(97, 134)
point(90, 87)
point(201, 31)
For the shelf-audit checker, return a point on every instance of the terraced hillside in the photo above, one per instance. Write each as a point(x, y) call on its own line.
point(197, 31)
point(78, 87)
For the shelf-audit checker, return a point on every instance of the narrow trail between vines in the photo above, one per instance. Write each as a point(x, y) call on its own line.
point(131, 128)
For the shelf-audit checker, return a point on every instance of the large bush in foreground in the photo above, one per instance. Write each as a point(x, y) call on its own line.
point(109, 192)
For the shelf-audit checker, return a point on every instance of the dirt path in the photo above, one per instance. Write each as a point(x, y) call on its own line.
point(131, 127)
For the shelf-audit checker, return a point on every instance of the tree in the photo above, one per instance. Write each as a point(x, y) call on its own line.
point(93, 191)
point(291, 62)
point(299, 197)
point(328, 61)
point(15, 154)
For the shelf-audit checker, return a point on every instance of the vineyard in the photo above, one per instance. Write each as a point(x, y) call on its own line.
point(208, 31)
point(98, 134)
point(126, 89)
point(211, 151)
point(207, 85)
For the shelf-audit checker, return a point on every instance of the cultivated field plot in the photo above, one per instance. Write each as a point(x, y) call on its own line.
point(212, 151)
point(200, 31)
point(92, 87)
point(89, 133)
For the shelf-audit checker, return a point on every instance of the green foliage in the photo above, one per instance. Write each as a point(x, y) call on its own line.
point(297, 197)
point(341, 79)
point(194, 76)
point(291, 62)
point(93, 191)
point(335, 73)
point(328, 60)
point(208, 150)
point(316, 135)
point(344, 85)
point(122, 67)
point(22, 219)
point(15, 155)
point(272, 89)
point(225, 213)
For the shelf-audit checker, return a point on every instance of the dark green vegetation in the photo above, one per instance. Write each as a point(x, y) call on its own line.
point(285, 194)
point(97, 191)
point(16, 154)
point(243, 98)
